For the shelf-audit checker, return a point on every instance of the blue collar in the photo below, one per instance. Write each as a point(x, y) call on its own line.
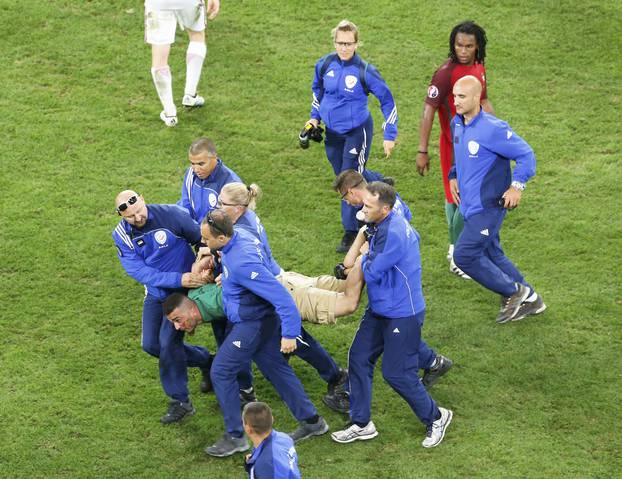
point(475, 119)
point(226, 248)
point(258, 449)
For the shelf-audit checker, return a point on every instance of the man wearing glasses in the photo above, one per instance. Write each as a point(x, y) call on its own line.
point(204, 179)
point(265, 323)
point(341, 85)
point(352, 186)
point(154, 246)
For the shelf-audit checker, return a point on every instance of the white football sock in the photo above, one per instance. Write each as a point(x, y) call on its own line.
point(194, 63)
point(163, 82)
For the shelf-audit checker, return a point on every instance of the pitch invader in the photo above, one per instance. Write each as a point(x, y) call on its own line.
point(161, 19)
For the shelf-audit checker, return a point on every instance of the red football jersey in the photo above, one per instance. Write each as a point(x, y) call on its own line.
point(440, 95)
point(440, 91)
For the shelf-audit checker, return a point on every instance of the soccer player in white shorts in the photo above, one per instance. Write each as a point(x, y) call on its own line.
point(161, 19)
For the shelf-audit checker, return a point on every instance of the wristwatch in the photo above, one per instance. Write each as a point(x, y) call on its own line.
point(518, 185)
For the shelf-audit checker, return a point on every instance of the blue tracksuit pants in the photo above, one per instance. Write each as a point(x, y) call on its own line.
point(478, 253)
point(220, 330)
point(162, 340)
point(260, 341)
point(399, 340)
point(349, 151)
point(312, 352)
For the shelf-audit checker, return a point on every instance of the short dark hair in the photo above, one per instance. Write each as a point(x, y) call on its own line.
point(172, 302)
point(385, 193)
point(348, 179)
point(258, 416)
point(469, 28)
point(219, 223)
point(203, 145)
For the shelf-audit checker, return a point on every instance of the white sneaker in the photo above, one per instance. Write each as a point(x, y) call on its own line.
point(193, 101)
point(457, 271)
point(168, 120)
point(436, 430)
point(352, 432)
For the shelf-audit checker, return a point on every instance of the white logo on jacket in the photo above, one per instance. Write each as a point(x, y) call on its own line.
point(160, 236)
point(254, 274)
point(509, 134)
point(330, 74)
point(432, 91)
point(351, 81)
point(473, 147)
point(213, 200)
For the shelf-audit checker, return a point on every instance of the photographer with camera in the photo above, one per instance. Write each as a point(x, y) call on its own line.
point(341, 85)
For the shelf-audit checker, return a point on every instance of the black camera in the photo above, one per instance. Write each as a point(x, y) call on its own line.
point(340, 271)
point(310, 132)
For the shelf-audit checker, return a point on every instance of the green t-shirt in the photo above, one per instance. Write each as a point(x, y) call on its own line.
point(208, 298)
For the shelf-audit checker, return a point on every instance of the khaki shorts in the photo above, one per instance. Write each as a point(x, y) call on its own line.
point(315, 297)
point(160, 25)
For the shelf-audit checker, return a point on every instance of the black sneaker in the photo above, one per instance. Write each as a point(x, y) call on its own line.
point(530, 309)
point(227, 445)
point(306, 430)
point(339, 402)
point(346, 242)
point(441, 366)
point(511, 304)
point(247, 397)
point(338, 384)
point(177, 411)
point(206, 381)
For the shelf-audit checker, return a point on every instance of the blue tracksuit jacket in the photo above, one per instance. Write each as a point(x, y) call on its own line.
point(250, 222)
point(340, 101)
point(392, 269)
point(199, 196)
point(482, 153)
point(157, 254)
point(274, 458)
point(249, 289)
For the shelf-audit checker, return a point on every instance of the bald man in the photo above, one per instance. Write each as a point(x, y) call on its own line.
point(154, 246)
point(483, 184)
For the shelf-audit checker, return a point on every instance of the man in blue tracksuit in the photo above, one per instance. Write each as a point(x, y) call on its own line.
point(255, 302)
point(391, 324)
point(309, 349)
point(352, 186)
point(154, 246)
point(341, 85)
point(482, 182)
point(204, 179)
point(274, 455)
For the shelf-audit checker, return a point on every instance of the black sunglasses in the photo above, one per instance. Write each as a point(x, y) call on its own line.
point(212, 223)
point(130, 201)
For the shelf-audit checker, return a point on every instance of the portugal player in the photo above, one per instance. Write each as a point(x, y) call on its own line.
point(467, 51)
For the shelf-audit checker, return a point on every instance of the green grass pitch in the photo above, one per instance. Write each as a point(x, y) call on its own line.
point(79, 122)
